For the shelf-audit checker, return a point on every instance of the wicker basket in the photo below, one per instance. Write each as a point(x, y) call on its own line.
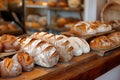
point(111, 11)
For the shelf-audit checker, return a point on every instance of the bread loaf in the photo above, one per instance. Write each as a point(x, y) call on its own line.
point(60, 42)
point(101, 43)
point(77, 51)
point(115, 37)
point(102, 27)
point(84, 28)
point(10, 68)
point(89, 28)
point(25, 60)
point(9, 43)
point(44, 54)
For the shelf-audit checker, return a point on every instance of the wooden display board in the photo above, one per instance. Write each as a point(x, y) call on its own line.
point(40, 72)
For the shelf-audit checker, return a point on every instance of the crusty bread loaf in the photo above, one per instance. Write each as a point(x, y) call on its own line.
point(10, 68)
point(60, 42)
point(115, 37)
point(67, 47)
point(83, 43)
point(9, 43)
point(102, 27)
point(44, 54)
point(77, 51)
point(25, 60)
point(89, 28)
point(101, 43)
point(83, 28)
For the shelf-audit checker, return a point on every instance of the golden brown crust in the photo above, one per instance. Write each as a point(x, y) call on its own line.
point(8, 42)
point(24, 58)
point(101, 43)
point(8, 63)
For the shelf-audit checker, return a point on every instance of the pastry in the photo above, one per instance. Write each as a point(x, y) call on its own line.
point(25, 60)
point(10, 68)
point(44, 54)
point(101, 43)
point(9, 43)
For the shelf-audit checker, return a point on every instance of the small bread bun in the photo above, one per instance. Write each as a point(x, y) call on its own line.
point(51, 4)
point(61, 22)
point(10, 68)
point(62, 4)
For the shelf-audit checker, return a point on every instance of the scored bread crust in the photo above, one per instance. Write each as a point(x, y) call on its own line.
point(101, 43)
point(10, 68)
point(115, 37)
point(43, 53)
point(60, 42)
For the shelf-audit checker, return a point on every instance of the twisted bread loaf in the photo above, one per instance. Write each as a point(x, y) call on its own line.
point(10, 68)
point(44, 54)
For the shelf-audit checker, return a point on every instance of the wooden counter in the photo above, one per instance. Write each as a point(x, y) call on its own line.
point(86, 67)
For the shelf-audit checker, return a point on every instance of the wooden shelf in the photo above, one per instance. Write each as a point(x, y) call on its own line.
point(35, 6)
point(85, 67)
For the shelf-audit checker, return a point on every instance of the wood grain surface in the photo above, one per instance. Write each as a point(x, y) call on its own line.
point(85, 67)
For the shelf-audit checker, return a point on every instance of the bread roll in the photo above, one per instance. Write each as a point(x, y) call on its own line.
point(10, 68)
point(44, 54)
point(101, 43)
point(25, 60)
point(9, 43)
